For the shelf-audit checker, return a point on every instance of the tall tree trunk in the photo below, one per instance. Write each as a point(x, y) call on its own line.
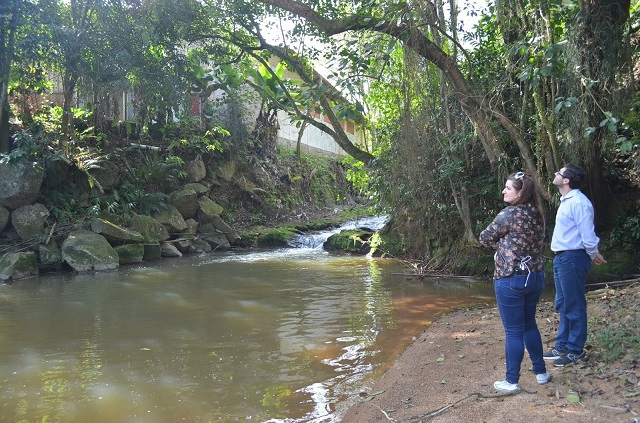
point(69, 82)
point(7, 49)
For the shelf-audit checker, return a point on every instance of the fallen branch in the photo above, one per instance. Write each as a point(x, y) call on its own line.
point(420, 419)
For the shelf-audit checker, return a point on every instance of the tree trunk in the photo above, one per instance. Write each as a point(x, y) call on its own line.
point(5, 69)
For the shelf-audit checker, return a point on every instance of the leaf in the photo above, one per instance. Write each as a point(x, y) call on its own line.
point(443, 381)
point(373, 395)
point(440, 359)
point(573, 397)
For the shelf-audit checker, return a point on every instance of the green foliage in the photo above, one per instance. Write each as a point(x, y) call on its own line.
point(127, 199)
point(28, 144)
point(617, 341)
point(65, 207)
point(151, 172)
point(626, 232)
point(358, 176)
point(188, 142)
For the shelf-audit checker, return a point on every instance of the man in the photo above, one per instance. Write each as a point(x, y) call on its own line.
point(575, 246)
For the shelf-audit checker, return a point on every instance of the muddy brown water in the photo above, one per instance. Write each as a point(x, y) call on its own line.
point(272, 336)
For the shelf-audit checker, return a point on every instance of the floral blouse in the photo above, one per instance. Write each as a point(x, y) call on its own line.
point(516, 232)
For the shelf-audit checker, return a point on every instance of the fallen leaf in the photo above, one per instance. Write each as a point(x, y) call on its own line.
point(573, 397)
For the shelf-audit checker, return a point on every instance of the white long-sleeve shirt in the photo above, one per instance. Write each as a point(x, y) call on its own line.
point(574, 228)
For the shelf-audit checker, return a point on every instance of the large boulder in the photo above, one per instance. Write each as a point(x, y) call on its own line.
point(349, 241)
point(227, 170)
point(208, 209)
point(107, 175)
point(4, 217)
point(198, 187)
point(172, 219)
point(169, 250)
point(28, 221)
point(20, 183)
point(199, 246)
point(56, 170)
point(151, 230)
point(18, 266)
point(228, 231)
point(186, 201)
point(214, 237)
point(85, 250)
point(49, 256)
point(114, 233)
point(196, 170)
point(130, 253)
point(192, 227)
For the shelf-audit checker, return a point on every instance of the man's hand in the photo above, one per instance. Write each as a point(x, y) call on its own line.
point(598, 259)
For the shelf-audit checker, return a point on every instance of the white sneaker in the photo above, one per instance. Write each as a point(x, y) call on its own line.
point(503, 385)
point(543, 378)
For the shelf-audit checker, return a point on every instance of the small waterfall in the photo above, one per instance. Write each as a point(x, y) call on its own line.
point(316, 239)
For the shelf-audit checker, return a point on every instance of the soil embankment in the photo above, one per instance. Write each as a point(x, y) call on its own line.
point(447, 374)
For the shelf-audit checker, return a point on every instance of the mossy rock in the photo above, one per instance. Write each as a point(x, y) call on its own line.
point(272, 237)
point(349, 241)
point(130, 253)
point(18, 266)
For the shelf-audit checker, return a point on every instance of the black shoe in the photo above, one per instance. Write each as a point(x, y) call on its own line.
point(553, 354)
point(568, 358)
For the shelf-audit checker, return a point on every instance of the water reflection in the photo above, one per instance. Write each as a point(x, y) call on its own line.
point(281, 336)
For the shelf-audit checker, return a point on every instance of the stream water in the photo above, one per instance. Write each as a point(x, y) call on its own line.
point(290, 335)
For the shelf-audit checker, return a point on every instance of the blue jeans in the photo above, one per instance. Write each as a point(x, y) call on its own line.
point(570, 273)
point(518, 313)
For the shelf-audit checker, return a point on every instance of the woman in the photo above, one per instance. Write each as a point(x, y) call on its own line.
point(516, 234)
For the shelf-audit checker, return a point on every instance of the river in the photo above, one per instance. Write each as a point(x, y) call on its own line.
point(290, 335)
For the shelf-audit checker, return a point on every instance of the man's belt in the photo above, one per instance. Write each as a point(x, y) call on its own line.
point(557, 253)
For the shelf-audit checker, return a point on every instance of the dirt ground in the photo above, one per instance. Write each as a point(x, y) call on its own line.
point(447, 373)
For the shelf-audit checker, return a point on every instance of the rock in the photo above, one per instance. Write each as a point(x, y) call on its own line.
point(183, 245)
point(130, 253)
point(49, 255)
point(152, 251)
point(56, 169)
point(20, 183)
point(199, 246)
point(122, 221)
point(114, 233)
point(85, 250)
point(214, 237)
point(186, 201)
point(199, 188)
point(229, 232)
point(196, 170)
point(28, 221)
point(4, 217)
point(107, 175)
point(349, 241)
point(18, 266)
point(169, 250)
point(151, 230)
point(192, 227)
point(208, 209)
point(171, 219)
point(227, 170)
